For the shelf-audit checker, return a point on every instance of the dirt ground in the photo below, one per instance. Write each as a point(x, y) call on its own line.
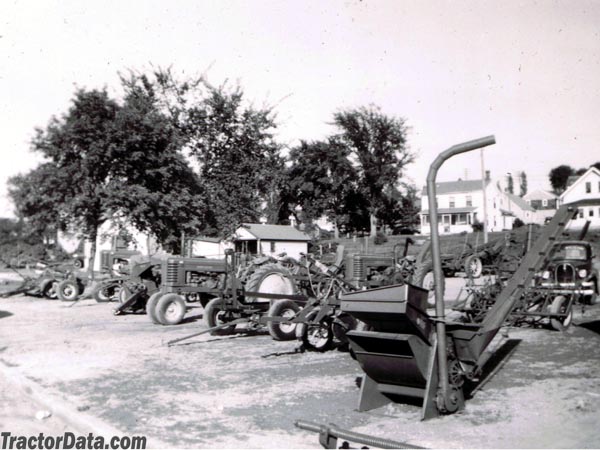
point(246, 391)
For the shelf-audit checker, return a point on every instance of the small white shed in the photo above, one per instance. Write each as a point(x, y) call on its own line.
point(259, 239)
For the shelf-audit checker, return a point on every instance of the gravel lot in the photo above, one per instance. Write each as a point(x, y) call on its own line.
point(245, 391)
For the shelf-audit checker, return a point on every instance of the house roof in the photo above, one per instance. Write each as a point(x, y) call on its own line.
point(539, 194)
point(519, 202)
point(275, 232)
point(450, 187)
point(577, 180)
point(464, 209)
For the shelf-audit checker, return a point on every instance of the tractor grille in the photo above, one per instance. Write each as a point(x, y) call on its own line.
point(172, 269)
point(565, 273)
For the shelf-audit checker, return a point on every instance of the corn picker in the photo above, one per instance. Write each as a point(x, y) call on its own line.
point(407, 352)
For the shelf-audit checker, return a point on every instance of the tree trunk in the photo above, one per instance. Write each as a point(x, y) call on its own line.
point(93, 239)
point(373, 225)
point(336, 232)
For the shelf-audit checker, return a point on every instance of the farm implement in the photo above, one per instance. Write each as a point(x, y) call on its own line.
point(407, 353)
point(43, 284)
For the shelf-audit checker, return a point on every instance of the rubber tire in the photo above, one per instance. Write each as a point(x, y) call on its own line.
point(556, 308)
point(78, 264)
point(99, 293)
point(68, 290)
point(50, 290)
point(421, 276)
point(211, 313)
point(151, 307)
point(473, 266)
point(303, 330)
point(163, 305)
point(256, 282)
point(278, 309)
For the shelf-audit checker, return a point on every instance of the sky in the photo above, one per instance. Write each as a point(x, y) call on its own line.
point(526, 72)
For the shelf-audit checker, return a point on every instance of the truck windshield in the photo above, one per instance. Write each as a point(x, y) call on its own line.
point(578, 252)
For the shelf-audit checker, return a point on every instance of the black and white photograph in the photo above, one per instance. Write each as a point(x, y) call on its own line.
point(304, 224)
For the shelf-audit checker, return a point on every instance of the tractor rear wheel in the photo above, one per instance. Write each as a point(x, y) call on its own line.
point(559, 306)
point(151, 307)
point(170, 309)
point(423, 277)
point(214, 315)
point(271, 279)
point(68, 290)
point(283, 331)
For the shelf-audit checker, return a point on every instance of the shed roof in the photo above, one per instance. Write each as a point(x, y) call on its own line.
point(275, 232)
point(539, 194)
point(519, 202)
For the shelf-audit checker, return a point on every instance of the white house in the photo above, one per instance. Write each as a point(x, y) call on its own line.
point(460, 205)
point(586, 187)
point(259, 239)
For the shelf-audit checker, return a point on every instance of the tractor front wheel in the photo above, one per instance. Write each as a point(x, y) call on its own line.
point(215, 315)
point(283, 331)
point(151, 307)
point(170, 309)
point(67, 290)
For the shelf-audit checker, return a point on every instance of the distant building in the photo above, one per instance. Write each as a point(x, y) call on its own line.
point(586, 187)
point(545, 204)
point(460, 205)
point(259, 239)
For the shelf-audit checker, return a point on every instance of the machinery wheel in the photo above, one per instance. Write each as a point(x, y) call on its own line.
point(473, 266)
point(214, 316)
point(423, 277)
point(283, 331)
point(105, 292)
point(50, 291)
point(67, 290)
point(559, 306)
point(78, 264)
point(342, 323)
point(170, 309)
point(315, 336)
point(151, 307)
point(270, 278)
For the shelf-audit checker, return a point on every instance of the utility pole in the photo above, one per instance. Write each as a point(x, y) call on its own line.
point(483, 186)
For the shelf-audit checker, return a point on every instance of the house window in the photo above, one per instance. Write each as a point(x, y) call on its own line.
point(272, 247)
point(580, 213)
point(591, 212)
point(452, 202)
point(469, 200)
point(545, 202)
point(446, 218)
point(588, 187)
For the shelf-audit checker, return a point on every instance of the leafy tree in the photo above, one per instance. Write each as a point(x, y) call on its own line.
point(111, 161)
point(558, 178)
point(377, 145)
point(522, 184)
point(510, 186)
point(596, 165)
point(239, 161)
point(320, 179)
